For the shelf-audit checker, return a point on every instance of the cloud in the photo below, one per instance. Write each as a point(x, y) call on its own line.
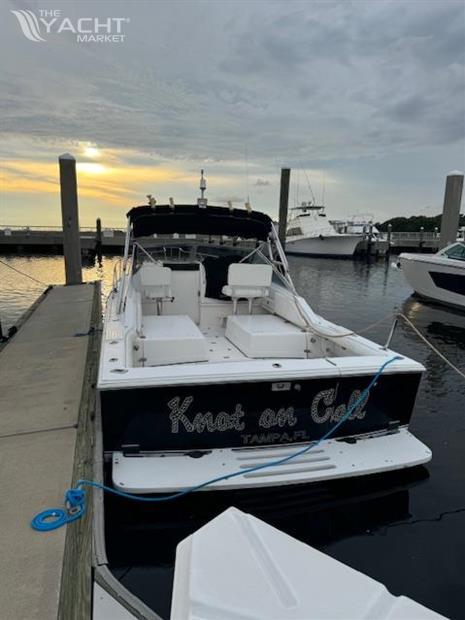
point(321, 71)
point(231, 198)
point(315, 84)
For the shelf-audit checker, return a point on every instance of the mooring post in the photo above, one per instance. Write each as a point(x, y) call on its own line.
point(451, 210)
point(283, 204)
point(70, 219)
point(370, 239)
point(98, 239)
point(389, 235)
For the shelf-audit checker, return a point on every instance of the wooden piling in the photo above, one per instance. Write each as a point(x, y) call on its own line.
point(98, 239)
point(283, 204)
point(389, 242)
point(70, 219)
point(451, 209)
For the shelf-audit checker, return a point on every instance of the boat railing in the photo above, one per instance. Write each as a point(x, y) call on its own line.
point(324, 231)
point(126, 272)
point(116, 277)
point(425, 234)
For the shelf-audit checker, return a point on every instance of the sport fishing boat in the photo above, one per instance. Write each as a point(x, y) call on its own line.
point(213, 368)
point(212, 363)
point(438, 277)
point(309, 232)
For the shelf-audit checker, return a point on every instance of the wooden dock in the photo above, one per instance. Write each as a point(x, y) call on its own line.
point(47, 377)
point(39, 239)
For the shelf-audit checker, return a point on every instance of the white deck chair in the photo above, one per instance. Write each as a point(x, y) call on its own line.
point(155, 284)
point(249, 282)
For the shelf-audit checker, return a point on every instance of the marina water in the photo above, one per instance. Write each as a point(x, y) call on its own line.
point(404, 529)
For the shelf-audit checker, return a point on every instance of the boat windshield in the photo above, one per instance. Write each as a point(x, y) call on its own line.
point(215, 254)
point(182, 251)
point(456, 252)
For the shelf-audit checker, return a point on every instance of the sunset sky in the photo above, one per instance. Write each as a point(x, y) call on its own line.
point(367, 99)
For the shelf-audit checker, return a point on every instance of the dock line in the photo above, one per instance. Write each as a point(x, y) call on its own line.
point(39, 430)
point(431, 346)
point(53, 518)
point(395, 316)
point(89, 332)
point(23, 273)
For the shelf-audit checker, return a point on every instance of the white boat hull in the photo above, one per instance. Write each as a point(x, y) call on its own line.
point(439, 281)
point(237, 566)
point(337, 245)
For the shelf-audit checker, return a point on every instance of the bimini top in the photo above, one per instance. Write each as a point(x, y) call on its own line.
point(192, 219)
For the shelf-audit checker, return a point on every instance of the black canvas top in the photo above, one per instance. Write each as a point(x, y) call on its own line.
point(192, 219)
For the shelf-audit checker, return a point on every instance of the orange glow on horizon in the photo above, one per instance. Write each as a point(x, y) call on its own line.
point(91, 168)
point(115, 183)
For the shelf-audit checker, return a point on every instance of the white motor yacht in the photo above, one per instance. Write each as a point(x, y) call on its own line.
point(438, 277)
point(309, 232)
point(212, 363)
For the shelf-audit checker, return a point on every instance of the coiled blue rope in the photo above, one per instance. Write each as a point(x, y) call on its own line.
point(53, 518)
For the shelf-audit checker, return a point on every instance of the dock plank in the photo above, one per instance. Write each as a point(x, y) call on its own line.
point(40, 383)
point(42, 379)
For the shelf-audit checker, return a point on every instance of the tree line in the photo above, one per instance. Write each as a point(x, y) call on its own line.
point(414, 223)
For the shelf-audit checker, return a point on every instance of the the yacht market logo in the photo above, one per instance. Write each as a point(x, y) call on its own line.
point(38, 26)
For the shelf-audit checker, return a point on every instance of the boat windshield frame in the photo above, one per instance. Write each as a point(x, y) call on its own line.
point(451, 256)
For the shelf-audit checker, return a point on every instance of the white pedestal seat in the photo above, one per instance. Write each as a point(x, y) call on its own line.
point(249, 282)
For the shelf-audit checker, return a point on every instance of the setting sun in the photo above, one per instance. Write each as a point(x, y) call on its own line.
point(92, 152)
point(91, 168)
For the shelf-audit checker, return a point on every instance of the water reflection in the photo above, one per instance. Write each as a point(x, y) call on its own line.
point(356, 522)
point(18, 292)
point(318, 514)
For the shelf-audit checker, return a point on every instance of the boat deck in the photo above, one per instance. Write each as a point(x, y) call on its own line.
point(220, 349)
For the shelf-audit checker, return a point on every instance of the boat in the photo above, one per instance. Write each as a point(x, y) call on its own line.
point(211, 358)
point(217, 380)
point(217, 564)
point(371, 239)
point(438, 277)
point(310, 233)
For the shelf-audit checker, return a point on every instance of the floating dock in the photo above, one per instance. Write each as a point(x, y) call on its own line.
point(39, 239)
point(47, 372)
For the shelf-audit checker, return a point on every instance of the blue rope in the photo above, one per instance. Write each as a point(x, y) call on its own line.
point(53, 518)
